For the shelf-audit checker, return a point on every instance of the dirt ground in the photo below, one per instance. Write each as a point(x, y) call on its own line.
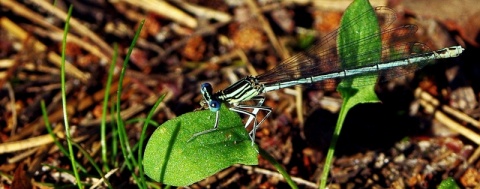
point(424, 131)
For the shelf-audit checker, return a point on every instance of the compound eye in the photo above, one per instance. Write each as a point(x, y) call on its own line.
point(206, 87)
point(214, 106)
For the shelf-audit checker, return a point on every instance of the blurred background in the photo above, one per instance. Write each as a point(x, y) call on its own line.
point(424, 131)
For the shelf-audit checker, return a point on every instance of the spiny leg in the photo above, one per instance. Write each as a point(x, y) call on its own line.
point(243, 109)
point(259, 100)
point(215, 127)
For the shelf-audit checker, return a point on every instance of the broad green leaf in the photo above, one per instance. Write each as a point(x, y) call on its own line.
point(351, 90)
point(448, 183)
point(172, 159)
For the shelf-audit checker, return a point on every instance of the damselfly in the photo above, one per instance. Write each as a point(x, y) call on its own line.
point(321, 64)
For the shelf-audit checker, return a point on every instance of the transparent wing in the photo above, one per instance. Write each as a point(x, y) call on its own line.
point(322, 58)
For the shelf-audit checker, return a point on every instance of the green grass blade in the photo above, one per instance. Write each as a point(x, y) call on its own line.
point(123, 138)
point(48, 126)
point(137, 120)
point(95, 166)
point(103, 124)
point(114, 145)
point(279, 167)
point(64, 99)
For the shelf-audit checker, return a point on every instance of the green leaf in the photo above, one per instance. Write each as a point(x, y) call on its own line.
point(173, 157)
point(306, 39)
point(354, 92)
point(448, 183)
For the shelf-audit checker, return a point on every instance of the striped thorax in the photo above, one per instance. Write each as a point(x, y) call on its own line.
point(244, 89)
